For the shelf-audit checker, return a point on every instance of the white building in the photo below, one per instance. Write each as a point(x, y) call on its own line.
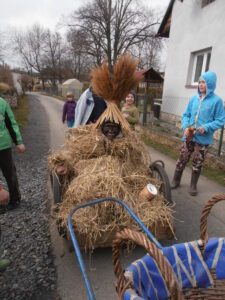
point(16, 79)
point(196, 44)
point(72, 85)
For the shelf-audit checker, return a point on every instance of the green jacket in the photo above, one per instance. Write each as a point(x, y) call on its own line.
point(9, 130)
point(133, 114)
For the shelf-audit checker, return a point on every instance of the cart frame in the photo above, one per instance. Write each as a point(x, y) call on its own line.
point(76, 246)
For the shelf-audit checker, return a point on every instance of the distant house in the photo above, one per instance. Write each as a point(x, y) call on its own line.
point(150, 77)
point(72, 85)
point(196, 44)
point(16, 80)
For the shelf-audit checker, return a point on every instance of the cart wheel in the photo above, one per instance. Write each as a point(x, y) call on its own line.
point(160, 174)
point(56, 188)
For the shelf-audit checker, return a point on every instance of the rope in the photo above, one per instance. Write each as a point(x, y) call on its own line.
point(204, 217)
point(140, 239)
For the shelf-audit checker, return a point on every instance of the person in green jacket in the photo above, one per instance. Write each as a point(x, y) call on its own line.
point(9, 133)
point(130, 111)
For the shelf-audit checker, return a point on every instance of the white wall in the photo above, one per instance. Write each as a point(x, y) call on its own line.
point(16, 77)
point(193, 28)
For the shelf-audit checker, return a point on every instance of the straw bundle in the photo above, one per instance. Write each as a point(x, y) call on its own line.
point(103, 177)
point(115, 87)
point(102, 168)
point(85, 142)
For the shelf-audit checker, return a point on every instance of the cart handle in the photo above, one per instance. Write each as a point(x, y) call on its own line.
point(204, 217)
point(76, 246)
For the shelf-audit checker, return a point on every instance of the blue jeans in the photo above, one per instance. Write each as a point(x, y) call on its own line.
point(70, 123)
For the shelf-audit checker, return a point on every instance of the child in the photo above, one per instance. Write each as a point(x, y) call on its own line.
point(202, 117)
point(130, 111)
point(69, 110)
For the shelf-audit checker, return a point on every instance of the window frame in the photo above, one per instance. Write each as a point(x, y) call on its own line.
point(207, 2)
point(205, 54)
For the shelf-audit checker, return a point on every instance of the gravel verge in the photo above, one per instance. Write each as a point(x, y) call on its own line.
point(25, 236)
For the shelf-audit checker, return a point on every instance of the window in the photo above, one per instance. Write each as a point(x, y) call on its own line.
point(198, 69)
point(208, 61)
point(206, 2)
point(200, 62)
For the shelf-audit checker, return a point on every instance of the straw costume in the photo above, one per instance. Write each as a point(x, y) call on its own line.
point(99, 167)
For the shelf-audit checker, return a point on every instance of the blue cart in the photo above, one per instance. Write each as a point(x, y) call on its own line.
point(75, 243)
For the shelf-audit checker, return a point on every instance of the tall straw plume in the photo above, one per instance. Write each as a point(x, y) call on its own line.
point(115, 87)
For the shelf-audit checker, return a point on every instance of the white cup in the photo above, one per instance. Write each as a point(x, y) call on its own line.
point(149, 192)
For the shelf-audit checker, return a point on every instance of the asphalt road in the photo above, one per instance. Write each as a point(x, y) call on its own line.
point(187, 219)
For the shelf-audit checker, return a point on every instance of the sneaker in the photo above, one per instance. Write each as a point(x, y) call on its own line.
point(4, 263)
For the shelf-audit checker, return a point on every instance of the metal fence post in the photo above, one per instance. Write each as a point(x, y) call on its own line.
point(221, 140)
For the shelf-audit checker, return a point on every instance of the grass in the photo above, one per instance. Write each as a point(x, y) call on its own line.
point(21, 112)
point(211, 169)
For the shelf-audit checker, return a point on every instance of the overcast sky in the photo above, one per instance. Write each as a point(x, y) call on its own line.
point(22, 13)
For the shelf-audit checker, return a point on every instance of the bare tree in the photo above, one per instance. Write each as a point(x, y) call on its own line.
point(54, 51)
point(2, 45)
point(78, 53)
point(43, 51)
point(149, 53)
point(24, 82)
point(30, 47)
point(113, 26)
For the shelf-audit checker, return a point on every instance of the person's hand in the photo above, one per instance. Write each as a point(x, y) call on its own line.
point(125, 115)
point(186, 131)
point(201, 130)
point(61, 170)
point(20, 148)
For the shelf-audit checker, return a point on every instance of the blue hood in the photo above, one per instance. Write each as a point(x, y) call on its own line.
point(210, 80)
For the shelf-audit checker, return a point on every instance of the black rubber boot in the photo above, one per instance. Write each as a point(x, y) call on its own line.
point(194, 180)
point(176, 179)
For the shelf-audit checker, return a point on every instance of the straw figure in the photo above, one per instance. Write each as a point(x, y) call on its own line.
point(107, 159)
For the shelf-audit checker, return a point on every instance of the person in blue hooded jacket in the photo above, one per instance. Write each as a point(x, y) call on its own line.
point(202, 117)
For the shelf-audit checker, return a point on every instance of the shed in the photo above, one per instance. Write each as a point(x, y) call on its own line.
point(72, 85)
point(150, 79)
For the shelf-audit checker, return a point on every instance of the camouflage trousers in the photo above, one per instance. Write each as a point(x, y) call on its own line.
point(186, 150)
